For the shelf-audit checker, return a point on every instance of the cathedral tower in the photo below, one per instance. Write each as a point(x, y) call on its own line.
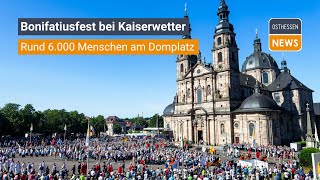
point(184, 64)
point(226, 62)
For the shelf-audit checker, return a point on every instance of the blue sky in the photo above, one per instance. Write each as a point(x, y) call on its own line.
point(129, 85)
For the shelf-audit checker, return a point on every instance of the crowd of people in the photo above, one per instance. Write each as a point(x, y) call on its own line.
point(131, 158)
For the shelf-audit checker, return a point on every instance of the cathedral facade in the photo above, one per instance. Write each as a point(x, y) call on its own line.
point(217, 103)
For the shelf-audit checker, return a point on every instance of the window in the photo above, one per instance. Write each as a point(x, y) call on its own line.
point(188, 93)
point(251, 129)
point(208, 90)
point(236, 125)
point(265, 78)
point(219, 40)
point(199, 95)
point(168, 126)
point(222, 129)
point(220, 57)
point(181, 67)
point(277, 97)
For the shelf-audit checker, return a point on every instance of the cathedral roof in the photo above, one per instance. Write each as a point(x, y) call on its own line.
point(169, 110)
point(258, 102)
point(285, 81)
point(249, 81)
point(224, 26)
point(259, 59)
point(316, 107)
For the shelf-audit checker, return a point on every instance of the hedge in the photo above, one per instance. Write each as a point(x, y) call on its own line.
point(305, 156)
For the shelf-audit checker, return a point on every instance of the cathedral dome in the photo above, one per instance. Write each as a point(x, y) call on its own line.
point(169, 110)
point(258, 102)
point(259, 59)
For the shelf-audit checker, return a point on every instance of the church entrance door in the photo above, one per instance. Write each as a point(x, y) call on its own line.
point(200, 136)
point(237, 140)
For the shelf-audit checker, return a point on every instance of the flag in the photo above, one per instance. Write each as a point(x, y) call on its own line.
point(31, 127)
point(211, 150)
point(316, 137)
point(88, 136)
point(175, 165)
point(92, 130)
point(65, 127)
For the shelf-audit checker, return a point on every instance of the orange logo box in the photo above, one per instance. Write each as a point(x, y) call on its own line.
point(285, 42)
point(107, 47)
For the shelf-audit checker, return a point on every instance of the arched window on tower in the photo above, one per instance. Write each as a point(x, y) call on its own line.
point(199, 95)
point(222, 129)
point(265, 78)
point(251, 129)
point(181, 67)
point(209, 90)
point(219, 41)
point(220, 57)
point(188, 93)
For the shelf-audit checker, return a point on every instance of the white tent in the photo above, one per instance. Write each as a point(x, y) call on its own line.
point(253, 163)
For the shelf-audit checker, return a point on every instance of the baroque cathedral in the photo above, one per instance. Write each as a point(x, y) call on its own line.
point(216, 103)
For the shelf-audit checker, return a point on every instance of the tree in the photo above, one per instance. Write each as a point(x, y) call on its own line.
point(78, 122)
point(98, 123)
point(4, 124)
point(11, 112)
point(55, 121)
point(117, 129)
point(28, 115)
point(153, 121)
point(139, 121)
point(305, 158)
